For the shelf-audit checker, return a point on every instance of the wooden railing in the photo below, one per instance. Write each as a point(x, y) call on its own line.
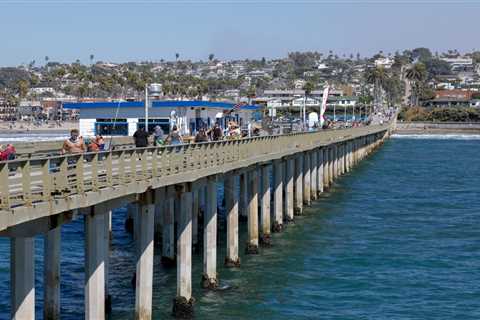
point(25, 182)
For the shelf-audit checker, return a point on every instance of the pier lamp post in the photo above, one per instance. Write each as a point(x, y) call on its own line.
point(146, 107)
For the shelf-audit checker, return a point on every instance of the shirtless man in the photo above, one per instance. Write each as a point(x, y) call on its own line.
point(74, 144)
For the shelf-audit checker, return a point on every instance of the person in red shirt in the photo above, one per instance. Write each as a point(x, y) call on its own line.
point(9, 153)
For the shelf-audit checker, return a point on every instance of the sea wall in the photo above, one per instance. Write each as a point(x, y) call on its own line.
point(437, 127)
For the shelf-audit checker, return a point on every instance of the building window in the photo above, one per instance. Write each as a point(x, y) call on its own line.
point(111, 128)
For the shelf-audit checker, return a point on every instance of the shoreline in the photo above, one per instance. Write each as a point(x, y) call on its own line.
point(439, 128)
point(435, 131)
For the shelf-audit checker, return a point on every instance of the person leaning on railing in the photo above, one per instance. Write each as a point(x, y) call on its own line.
point(74, 144)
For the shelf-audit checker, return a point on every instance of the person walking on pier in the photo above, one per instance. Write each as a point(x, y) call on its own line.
point(74, 144)
point(141, 138)
point(158, 136)
point(201, 136)
point(217, 133)
point(174, 137)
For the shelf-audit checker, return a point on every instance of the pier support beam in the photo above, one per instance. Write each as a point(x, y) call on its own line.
point(51, 274)
point(231, 202)
point(195, 214)
point(289, 194)
point(209, 277)
point(168, 227)
point(183, 303)
point(22, 278)
point(159, 199)
point(326, 170)
point(108, 238)
point(314, 174)
point(299, 184)
point(320, 171)
point(306, 179)
point(265, 239)
point(335, 161)
point(252, 244)
point(278, 195)
point(144, 273)
point(347, 156)
point(95, 237)
point(331, 162)
point(341, 158)
point(243, 200)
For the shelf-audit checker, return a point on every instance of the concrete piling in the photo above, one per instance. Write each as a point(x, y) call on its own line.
point(51, 273)
point(209, 277)
point(326, 170)
point(22, 278)
point(168, 228)
point(195, 214)
point(278, 195)
point(306, 179)
point(331, 163)
point(144, 270)
point(183, 302)
point(243, 200)
point(320, 171)
point(314, 174)
point(95, 258)
point(298, 208)
point(288, 189)
point(252, 244)
point(159, 199)
point(231, 202)
point(265, 239)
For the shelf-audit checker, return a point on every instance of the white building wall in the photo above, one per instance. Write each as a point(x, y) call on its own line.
point(132, 125)
point(87, 127)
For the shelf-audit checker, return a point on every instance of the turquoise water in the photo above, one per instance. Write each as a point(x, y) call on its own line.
point(397, 238)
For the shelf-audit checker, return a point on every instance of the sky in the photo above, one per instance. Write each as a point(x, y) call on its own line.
point(128, 30)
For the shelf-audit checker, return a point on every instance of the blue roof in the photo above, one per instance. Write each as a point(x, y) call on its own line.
point(157, 104)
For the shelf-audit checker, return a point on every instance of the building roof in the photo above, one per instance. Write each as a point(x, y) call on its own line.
point(158, 104)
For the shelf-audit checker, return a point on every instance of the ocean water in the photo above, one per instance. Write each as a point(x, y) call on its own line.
point(397, 238)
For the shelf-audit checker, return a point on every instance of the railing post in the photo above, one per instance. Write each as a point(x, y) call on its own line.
point(121, 168)
point(95, 185)
point(109, 168)
point(46, 181)
point(62, 175)
point(26, 183)
point(4, 186)
point(133, 164)
point(154, 162)
point(144, 162)
point(80, 174)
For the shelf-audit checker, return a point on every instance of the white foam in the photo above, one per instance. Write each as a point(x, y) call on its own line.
point(452, 136)
point(30, 138)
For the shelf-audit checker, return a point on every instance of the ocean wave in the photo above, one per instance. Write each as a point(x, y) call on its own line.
point(31, 138)
point(437, 136)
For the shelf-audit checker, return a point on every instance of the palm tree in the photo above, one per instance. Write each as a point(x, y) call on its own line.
point(177, 55)
point(91, 58)
point(376, 76)
point(416, 74)
point(46, 62)
point(211, 56)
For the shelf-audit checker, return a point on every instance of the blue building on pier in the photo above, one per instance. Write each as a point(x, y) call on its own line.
point(124, 117)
